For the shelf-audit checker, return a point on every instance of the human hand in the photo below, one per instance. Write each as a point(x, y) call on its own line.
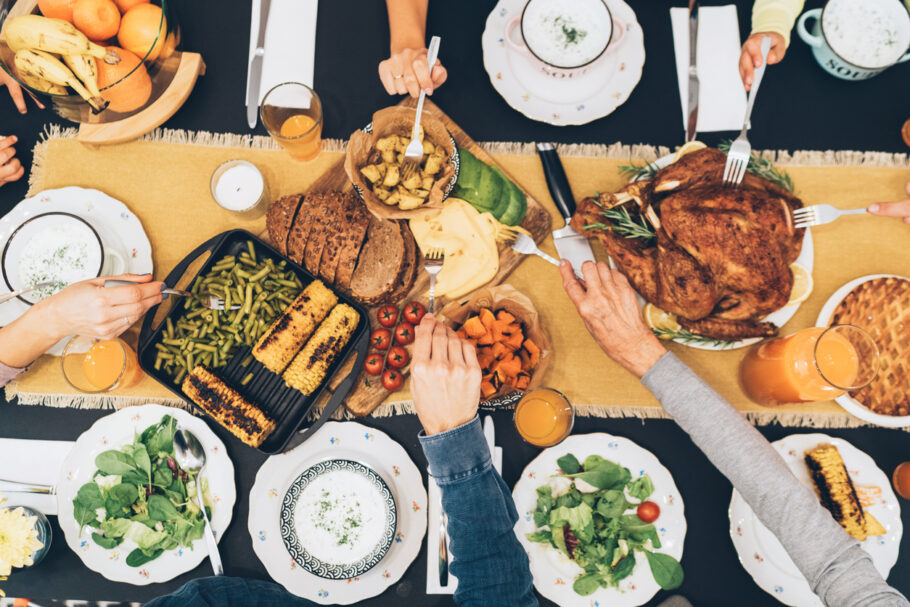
point(15, 91)
point(10, 167)
point(751, 55)
point(901, 208)
point(406, 72)
point(607, 305)
point(88, 308)
point(445, 377)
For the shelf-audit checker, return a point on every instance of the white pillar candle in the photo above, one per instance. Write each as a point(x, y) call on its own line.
point(237, 185)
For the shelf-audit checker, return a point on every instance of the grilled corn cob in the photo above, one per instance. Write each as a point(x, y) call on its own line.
point(278, 345)
point(245, 421)
point(309, 368)
point(836, 491)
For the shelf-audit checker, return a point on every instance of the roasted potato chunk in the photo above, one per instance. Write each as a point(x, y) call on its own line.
point(371, 172)
point(391, 177)
point(384, 173)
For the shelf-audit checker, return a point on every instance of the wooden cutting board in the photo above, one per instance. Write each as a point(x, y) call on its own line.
point(368, 393)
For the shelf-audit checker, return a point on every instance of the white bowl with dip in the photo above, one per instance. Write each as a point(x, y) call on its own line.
point(239, 186)
point(857, 39)
point(59, 247)
point(565, 38)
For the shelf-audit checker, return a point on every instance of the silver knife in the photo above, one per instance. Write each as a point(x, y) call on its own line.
point(692, 107)
point(255, 78)
point(569, 244)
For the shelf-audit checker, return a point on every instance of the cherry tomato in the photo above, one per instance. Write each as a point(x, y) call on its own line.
point(387, 316)
point(404, 334)
point(398, 357)
point(392, 380)
point(373, 364)
point(414, 312)
point(648, 512)
point(381, 339)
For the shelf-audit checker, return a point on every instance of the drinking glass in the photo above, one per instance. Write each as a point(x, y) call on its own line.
point(544, 417)
point(811, 365)
point(292, 114)
point(94, 365)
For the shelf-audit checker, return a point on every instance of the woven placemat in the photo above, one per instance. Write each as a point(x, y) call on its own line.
point(164, 179)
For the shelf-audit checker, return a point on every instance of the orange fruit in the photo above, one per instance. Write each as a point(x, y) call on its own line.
point(143, 27)
point(57, 9)
point(97, 19)
point(125, 5)
point(126, 85)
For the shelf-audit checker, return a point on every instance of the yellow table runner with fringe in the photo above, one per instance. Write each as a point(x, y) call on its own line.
point(164, 179)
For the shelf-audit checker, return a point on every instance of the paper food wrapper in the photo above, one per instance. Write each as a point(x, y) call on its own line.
point(508, 298)
point(361, 152)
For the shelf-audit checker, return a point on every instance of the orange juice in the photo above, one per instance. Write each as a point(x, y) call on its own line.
point(109, 362)
point(793, 370)
point(300, 135)
point(544, 417)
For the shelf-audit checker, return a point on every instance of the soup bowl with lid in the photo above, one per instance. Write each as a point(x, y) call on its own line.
point(565, 39)
point(857, 39)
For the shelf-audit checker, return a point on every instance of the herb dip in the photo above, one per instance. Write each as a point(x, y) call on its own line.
point(64, 253)
point(867, 34)
point(566, 34)
point(340, 517)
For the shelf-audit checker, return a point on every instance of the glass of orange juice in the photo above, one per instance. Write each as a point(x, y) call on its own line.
point(99, 365)
point(292, 114)
point(811, 365)
point(544, 417)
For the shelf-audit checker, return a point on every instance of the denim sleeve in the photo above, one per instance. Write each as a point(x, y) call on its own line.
point(489, 562)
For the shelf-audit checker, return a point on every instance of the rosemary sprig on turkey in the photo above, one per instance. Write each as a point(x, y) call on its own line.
point(762, 167)
point(622, 223)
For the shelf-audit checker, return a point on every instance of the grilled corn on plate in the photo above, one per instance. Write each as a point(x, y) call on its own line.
point(309, 368)
point(245, 420)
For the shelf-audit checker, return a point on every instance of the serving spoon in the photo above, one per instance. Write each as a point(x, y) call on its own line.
point(190, 456)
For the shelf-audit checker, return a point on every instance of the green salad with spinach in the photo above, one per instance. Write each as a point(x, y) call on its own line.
point(139, 493)
point(596, 530)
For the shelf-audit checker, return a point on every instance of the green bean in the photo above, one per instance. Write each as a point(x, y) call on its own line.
point(173, 342)
point(206, 347)
point(247, 261)
point(246, 379)
point(260, 274)
point(286, 283)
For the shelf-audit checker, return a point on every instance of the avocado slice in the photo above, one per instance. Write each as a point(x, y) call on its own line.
point(514, 204)
point(470, 170)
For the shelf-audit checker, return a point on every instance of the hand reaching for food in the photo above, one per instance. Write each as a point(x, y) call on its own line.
point(751, 54)
point(445, 377)
point(900, 208)
point(406, 72)
point(10, 167)
point(607, 305)
point(15, 92)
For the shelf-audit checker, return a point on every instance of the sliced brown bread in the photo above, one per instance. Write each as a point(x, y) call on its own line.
point(324, 220)
point(409, 268)
point(348, 260)
point(279, 220)
point(380, 263)
point(303, 225)
point(352, 228)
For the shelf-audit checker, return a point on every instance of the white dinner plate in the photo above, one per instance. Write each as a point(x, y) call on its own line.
point(850, 404)
point(118, 227)
point(779, 317)
point(112, 432)
point(553, 573)
point(339, 440)
point(578, 100)
point(762, 555)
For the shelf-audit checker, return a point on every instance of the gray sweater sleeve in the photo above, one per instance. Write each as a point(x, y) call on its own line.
point(837, 568)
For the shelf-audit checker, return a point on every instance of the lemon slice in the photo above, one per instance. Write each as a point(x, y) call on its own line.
point(802, 284)
point(686, 148)
point(659, 319)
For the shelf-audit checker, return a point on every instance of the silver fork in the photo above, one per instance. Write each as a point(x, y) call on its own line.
point(413, 154)
point(820, 214)
point(208, 301)
point(741, 150)
point(526, 245)
point(432, 263)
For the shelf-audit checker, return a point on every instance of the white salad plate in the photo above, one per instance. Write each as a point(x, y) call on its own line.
point(779, 317)
point(850, 404)
point(553, 573)
point(112, 432)
point(762, 555)
point(350, 441)
point(119, 228)
point(562, 101)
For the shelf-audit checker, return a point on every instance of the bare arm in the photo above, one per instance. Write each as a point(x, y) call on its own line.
point(406, 72)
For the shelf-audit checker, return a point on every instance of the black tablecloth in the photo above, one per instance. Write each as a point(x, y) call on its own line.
point(800, 107)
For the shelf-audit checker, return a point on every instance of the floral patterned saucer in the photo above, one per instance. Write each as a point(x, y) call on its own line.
point(111, 432)
point(762, 555)
point(596, 93)
point(350, 441)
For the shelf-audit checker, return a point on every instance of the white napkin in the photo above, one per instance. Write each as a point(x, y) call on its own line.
point(721, 96)
point(32, 461)
point(290, 43)
point(434, 502)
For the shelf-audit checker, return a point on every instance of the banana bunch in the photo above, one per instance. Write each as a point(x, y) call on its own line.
point(52, 54)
